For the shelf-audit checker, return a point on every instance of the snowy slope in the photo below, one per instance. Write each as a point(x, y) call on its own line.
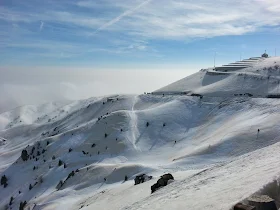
point(211, 145)
point(259, 80)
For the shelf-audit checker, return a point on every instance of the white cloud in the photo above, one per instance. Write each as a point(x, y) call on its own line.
point(168, 19)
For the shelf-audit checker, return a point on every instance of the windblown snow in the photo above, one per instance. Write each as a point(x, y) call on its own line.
point(215, 131)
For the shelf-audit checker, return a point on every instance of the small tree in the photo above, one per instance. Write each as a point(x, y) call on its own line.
point(59, 185)
point(32, 150)
point(30, 187)
point(105, 135)
point(43, 151)
point(53, 157)
point(60, 162)
point(38, 153)
point(163, 124)
point(4, 181)
point(24, 155)
point(147, 124)
point(125, 178)
point(93, 145)
point(22, 205)
point(64, 165)
point(48, 143)
point(11, 200)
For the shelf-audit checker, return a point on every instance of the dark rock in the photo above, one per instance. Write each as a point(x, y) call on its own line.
point(163, 181)
point(141, 179)
point(241, 206)
point(262, 202)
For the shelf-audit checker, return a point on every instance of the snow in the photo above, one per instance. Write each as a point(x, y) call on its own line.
point(211, 145)
point(260, 79)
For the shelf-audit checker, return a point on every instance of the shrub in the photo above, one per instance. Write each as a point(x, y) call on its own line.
point(48, 143)
point(43, 151)
point(32, 151)
point(4, 181)
point(147, 124)
point(59, 185)
point(11, 200)
point(163, 124)
point(38, 153)
point(93, 145)
point(53, 157)
point(60, 162)
point(125, 178)
point(105, 135)
point(64, 165)
point(70, 150)
point(30, 187)
point(24, 155)
point(72, 173)
point(22, 205)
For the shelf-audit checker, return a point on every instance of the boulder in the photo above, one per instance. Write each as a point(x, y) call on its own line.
point(141, 179)
point(262, 202)
point(241, 206)
point(163, 181)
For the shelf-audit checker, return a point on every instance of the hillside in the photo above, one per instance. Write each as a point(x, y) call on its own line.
point(221, 147)
point(259, 78)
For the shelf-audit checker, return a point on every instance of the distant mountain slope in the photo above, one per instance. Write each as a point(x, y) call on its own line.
point(259, 80)
point(220, 148)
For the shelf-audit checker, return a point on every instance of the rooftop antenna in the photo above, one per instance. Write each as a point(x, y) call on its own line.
point(215, 60)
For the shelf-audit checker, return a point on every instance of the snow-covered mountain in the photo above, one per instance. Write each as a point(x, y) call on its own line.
point(215, 131)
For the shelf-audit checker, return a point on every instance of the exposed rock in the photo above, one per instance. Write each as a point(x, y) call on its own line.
point(163, 181)
point(262, 202)
point(141, 179)
point(241, 206)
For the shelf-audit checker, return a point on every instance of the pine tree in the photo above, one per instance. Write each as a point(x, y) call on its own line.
point(24, 155)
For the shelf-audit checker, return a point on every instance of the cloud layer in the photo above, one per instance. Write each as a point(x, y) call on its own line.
point(40, 85)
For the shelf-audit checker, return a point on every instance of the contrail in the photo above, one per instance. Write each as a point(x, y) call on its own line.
point(126, 13)
point(42, 25)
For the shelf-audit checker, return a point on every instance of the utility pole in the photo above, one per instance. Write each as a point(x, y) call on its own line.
point(215, 60)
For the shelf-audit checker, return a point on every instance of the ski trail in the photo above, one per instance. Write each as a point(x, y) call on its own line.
point(133, 124)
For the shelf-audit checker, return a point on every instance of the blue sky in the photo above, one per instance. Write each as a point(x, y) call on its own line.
point(73, 49)
point(135, 33)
